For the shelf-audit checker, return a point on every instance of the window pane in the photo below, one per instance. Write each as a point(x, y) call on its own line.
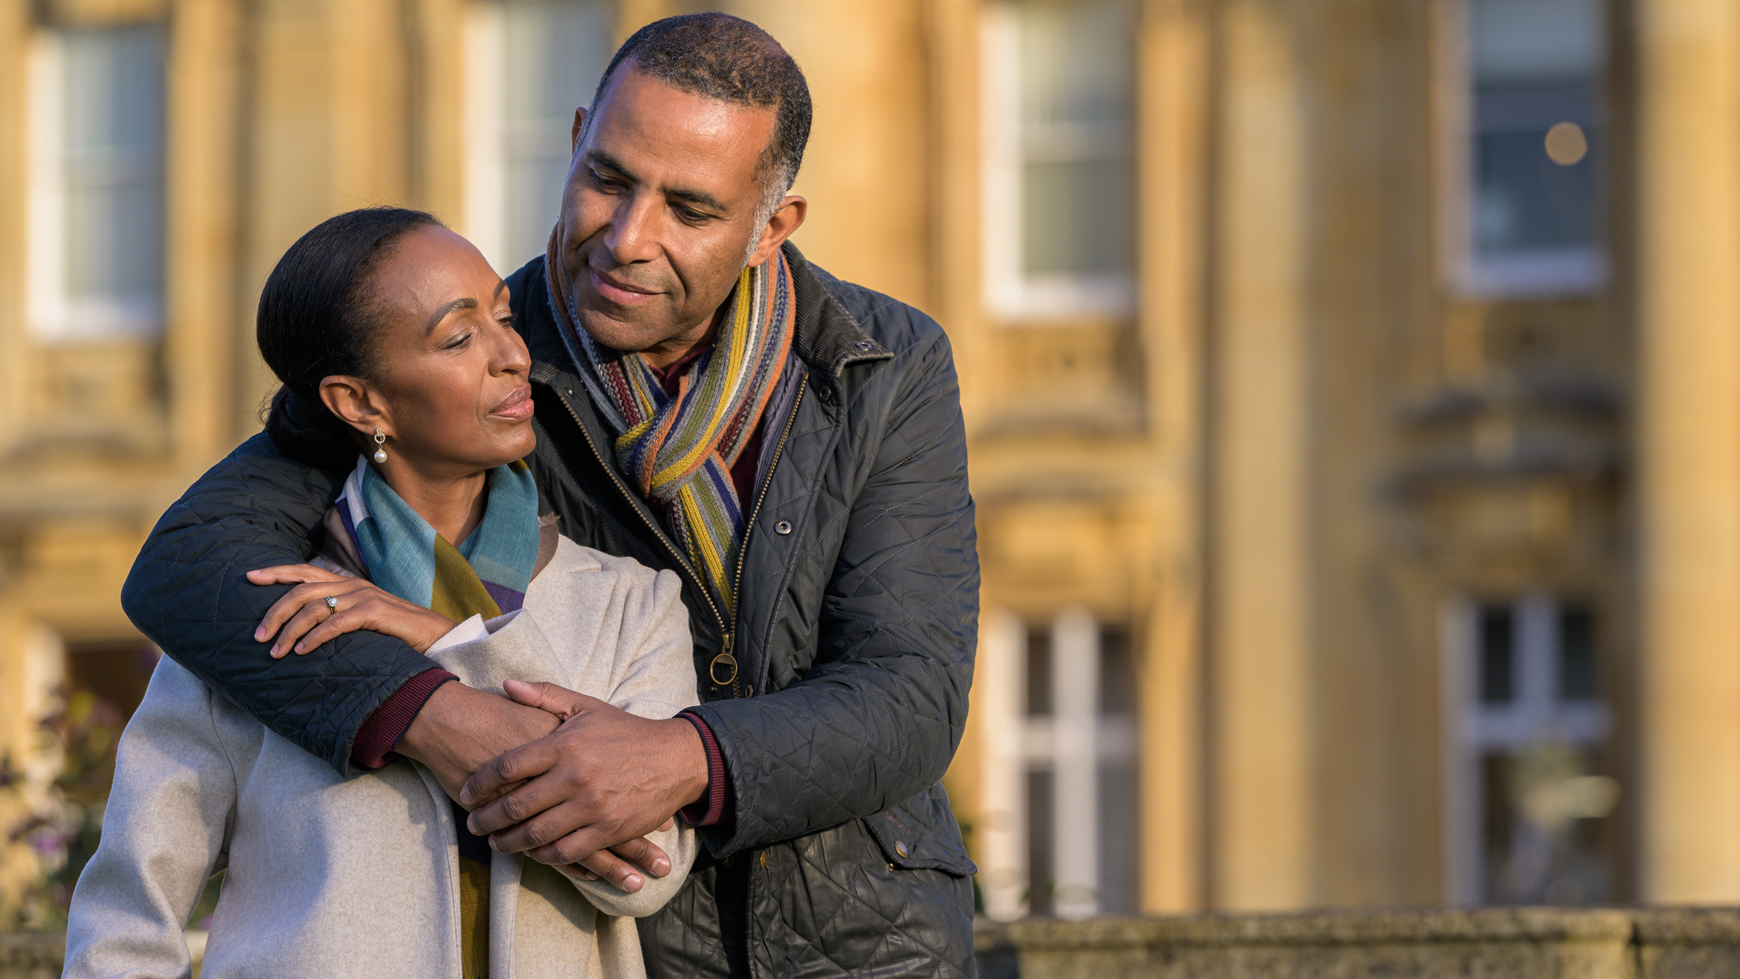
point(1041, 861)
point(1535, 64)
point(1077, 217)
point(1577, 677)
point(1117, 671)
point(553, 56)
point(1077, 81)
point(1120, 838)
point(1039, 672)
point(1497, 654)
point(112, 160)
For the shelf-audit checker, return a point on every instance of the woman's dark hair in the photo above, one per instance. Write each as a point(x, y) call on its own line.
point(316, 319)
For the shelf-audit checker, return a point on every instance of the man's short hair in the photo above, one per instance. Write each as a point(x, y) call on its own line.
point(730, 59)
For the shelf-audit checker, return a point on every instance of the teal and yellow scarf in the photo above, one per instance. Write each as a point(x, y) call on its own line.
point(486, 574)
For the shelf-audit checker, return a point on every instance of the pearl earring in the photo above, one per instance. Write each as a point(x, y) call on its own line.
point(380, 446)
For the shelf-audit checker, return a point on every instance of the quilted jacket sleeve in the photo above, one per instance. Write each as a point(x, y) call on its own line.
point(878, 716)
point(187, 593)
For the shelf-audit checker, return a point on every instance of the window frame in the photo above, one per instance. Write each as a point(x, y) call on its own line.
point(52, 314)
point(1074, 741)
point(489, 157)
point(1010, 295)
point(1535, 714)
point(1523, 274)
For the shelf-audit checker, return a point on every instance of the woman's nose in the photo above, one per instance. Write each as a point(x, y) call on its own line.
point(511, 355)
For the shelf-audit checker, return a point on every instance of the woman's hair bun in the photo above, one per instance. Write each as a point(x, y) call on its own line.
point(316, 320)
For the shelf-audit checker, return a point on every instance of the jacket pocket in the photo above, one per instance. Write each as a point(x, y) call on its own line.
point(921, 834)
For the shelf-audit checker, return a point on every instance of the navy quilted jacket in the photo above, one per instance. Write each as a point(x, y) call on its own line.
point(838, 696)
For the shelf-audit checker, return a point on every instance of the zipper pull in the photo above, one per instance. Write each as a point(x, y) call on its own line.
point(723, 670)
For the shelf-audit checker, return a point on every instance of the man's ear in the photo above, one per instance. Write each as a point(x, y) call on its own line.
point(780, 226)
point(574, 133)
point(350, 399)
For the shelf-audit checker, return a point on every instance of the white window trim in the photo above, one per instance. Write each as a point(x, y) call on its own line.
point(1073, 744)
point(1010, 295)
point(53, 316)
point(1538, 273)
point(1472, 728)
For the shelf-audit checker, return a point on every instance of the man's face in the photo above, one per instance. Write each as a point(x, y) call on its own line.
point(659, 212)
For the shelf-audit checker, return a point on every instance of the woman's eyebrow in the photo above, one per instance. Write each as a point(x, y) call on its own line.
point(442, 310)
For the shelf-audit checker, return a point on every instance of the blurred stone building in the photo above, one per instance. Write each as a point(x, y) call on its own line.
point(1353, 388)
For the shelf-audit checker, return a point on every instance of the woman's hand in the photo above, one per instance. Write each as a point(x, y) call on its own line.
point(303, 618)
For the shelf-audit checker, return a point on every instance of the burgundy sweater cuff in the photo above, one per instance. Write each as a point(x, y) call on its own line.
point(709, 810)
point(377, 736)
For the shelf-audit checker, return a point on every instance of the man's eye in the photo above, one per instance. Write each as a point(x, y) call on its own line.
point(691, 215)
point(604, 182)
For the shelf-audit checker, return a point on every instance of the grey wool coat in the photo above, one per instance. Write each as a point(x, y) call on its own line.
point(359, 877)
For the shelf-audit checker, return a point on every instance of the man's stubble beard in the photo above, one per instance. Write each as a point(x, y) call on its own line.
point(575, 293)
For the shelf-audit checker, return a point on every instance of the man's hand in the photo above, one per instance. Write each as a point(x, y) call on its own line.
point(602, 778)
point(461, 729)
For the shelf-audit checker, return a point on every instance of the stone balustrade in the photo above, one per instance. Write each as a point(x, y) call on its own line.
point(1490, 943)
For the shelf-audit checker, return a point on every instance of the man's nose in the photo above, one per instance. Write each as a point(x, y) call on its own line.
point(633, 235)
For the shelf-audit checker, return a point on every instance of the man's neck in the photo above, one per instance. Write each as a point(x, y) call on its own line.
point(662, 355)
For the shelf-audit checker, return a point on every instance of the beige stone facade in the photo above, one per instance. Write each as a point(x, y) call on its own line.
point(1328, 559)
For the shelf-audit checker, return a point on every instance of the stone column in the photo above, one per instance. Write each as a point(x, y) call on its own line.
point(1688, 449)
point(999, 698)
point(1260, 808)
point(1172, 134)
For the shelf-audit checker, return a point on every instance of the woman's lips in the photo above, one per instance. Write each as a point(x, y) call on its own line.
point(620, 293)
point(516, 406)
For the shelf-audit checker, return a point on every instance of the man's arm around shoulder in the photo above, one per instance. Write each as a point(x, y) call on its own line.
point(188, 594)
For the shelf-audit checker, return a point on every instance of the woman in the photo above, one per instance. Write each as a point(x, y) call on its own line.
point(393, 341)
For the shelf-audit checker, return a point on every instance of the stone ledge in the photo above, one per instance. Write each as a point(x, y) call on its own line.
point(1492, 943)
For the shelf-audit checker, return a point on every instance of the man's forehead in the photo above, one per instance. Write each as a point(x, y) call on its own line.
point(646, 121)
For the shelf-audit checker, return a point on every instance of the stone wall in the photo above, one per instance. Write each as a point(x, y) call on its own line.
point(1521, 943)
point(1525, 943)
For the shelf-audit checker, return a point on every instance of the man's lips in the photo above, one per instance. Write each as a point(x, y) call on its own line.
point(617, 291)
point(516, 406)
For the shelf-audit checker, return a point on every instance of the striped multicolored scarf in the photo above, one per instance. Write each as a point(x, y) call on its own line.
point(486, 574)
point(678, 450)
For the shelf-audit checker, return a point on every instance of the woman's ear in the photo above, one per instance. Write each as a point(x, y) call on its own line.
point(350, 399)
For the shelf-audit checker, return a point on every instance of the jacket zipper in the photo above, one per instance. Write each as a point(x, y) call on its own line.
point(749, 525)
point(634, 503)
point(726, 630)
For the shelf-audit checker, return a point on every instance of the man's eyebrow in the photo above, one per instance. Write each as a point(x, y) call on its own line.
point(442, 310)
point(608, 162)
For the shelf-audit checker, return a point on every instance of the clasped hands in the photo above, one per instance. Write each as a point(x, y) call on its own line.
point(564, 778)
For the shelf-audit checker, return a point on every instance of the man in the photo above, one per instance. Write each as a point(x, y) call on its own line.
point(706, 401)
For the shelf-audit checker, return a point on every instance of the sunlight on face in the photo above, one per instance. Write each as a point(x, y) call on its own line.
point(452, 388)
point(660, 207)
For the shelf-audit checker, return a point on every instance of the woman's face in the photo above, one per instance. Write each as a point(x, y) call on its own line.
point(451, 388)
